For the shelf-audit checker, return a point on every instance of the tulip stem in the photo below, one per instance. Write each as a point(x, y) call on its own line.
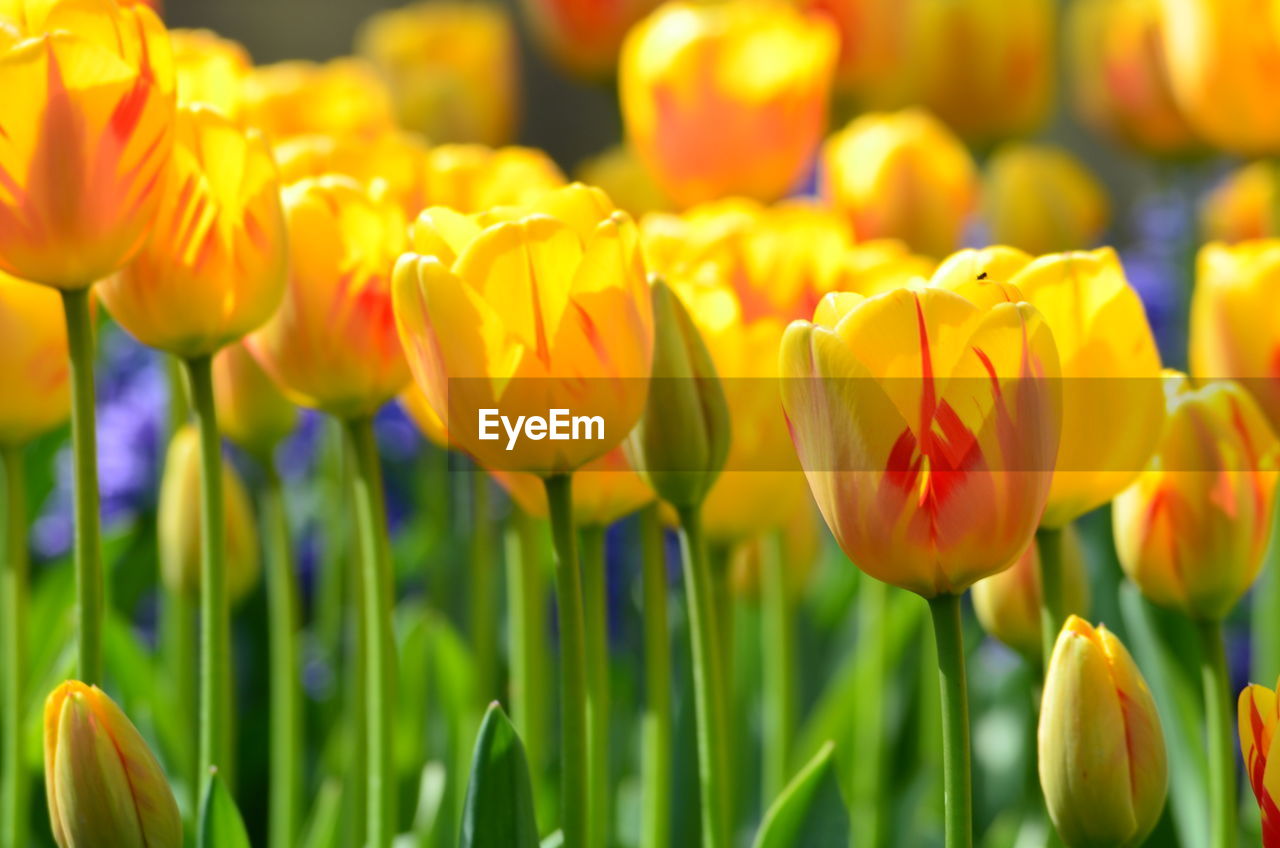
point(574, 763)
point(1266, 601)
point(778, 670)
point(656, 764)
point(13, 652)
point(286, 701)
point(526, 599)
point(84, 442)
point(1273, 211)
point(869, 790)
point(1218, 732)
point(371, 524)
point(1049, 546)
point(708, 681)
point(484, 631)
point(596, 606)
point(215, 629)
point(957, 790)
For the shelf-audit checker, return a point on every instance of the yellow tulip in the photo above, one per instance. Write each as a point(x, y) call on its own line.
point(1121, 78)
point(104, 785)
point(1224, 58)
point(927, 425)
point(85, 134)
point(453, 68)
point(1008, 603)
point(472, 178)
point(728, 97)
point(1103, 765)
point(418, 408)
point(901, 175)
point(36, 395)
point(1043, 200)
point(604, 490)
point(1236, 285)
point(179, 525)
point(214, 266)
point(1259, 745)
point(1192, 529)
point(584, 37)
point(1242, 206)
point(873, 42)
point(210, 69)
point(985, 67)
point(251, 410)
point(400, 159)
point(1112, 398)
point(342, 96)
point(332, 345)
point(529, 309)
point(621, 174)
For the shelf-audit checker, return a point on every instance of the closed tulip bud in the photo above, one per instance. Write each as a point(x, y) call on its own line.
point(452, 68)
point(526, 310)
point(180, 526)
point(214, 266)
point(727, 98)
point(341, 96)
point(1043, 200)
point(33, 359)
point(1222, 60)
point(105, 787)
point(210, 69)
point(1235, 284)
point(584, 38)
point(251, 410)
point(681, 442)
point(1242, 206)
point(1103, 766)
point(1121, 76)
point(401, 160)
point(471, 178)
point(927, 425)
point(84, 137)
point(873, 42)
point(332, 344)
point(1260, 745)
point(1008, 603)
point(1192, 529)
point(1111, 376)
point(604, 490)
point(625, 179)
point(901, 175)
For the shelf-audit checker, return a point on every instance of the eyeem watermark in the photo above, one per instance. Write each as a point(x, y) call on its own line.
point(559, 425)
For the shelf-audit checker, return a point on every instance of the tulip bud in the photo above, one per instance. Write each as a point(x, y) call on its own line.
point(1042, 199)
point(1242, 206)
point(1103, 766)
point(105, 787)
point(179, 524)
point(33, 359)
point(251, 410)
point(1259, 713)
point(1008, 603)
point(682, 440)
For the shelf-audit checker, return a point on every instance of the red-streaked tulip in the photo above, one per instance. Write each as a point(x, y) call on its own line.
point(1242, 207)
point(213, 268)
point(210, 69)
point(584, 36)
point(341, 96)
point(33, 359)
point(251, 411)
point(472, 178)
point(1260, 746)
point(1041, 199)
point(85, 134)
point(728, 97)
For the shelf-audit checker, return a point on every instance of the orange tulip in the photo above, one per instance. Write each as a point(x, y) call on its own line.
point(251, 410)
point(727, 98)
point(873, 42)
point(452, 68)
point(604, 490)
point(210, 69)
point(399, 159)
point(84, 136)
point(901, 175)
point(341, 96)
point(584, 36)
point(1242, 206)
point(332, 345)
point(1042, 199)
point(33, 359)
point(927, 424)
point(471, 178)
point(214, 266)
point(1259, 744)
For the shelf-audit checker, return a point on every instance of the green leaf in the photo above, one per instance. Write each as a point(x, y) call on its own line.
point(787, 817)
point(220, 822)
point(499, 811)
point(323, 827)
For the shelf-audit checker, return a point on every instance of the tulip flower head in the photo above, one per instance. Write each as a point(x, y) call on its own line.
point(401, 160)
point(104, 785)
point(251, 410)
point(84, 136)
point(1242, 206)
point(210, 69)
point(584, 38)
point(1042, 199)
point(342, 96)
point(472, 178)
point(1192, 529)
point(1260, 746)
point(214, 266)
point(728, 97)
point(873, 42)
point(33, 359)
point(1103, 766)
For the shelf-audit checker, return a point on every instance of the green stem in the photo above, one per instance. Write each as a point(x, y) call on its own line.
point(484, 630)
point(371, 522)
point(526, 598)
point(286, 696)
point(1219, 720)
point(596, 617)
point(13, 652)
point(1265, 619)
point(957, 790)
point(869, 731)
point(84, 441)
point(656, 734)
point(778, 673)
point(1273, 224)
point(1049, 546)
point(215, 627)
point(181, 662)
point(708, 682)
